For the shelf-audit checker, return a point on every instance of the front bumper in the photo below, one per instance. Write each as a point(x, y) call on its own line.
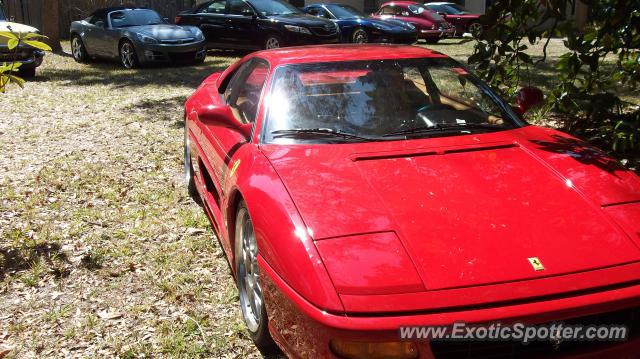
point(436, 34)
point(303, 330)
point(28, 57)
point(171, 52)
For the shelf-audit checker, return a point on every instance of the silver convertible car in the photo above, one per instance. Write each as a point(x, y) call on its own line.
point(135, 36)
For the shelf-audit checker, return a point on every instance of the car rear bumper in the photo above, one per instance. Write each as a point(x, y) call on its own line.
point(303, 330)
point(171, 52)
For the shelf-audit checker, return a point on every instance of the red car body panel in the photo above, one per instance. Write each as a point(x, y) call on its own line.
point(427, 26)
point(357, 239)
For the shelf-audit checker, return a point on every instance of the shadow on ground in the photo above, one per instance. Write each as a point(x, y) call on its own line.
point(101, 72)
point(15, 260)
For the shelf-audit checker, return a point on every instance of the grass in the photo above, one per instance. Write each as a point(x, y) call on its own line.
point(94, 218)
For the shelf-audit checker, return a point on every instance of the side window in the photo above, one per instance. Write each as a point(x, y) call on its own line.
point(99, 21)
point(239, 7)
point(401, 11)
point(323, 13)
point(216, 7)
point(387, 10)
point(313, 11)
point(118, 18)
point(245, 88)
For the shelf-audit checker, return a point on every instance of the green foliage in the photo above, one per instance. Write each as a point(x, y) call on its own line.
point(14, 41)
point(601, 60)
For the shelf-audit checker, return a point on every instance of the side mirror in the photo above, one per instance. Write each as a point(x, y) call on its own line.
point(528, 97)
point(221, 116)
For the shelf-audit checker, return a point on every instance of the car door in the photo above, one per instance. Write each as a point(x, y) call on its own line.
point(242, 95)
point(211, 19)
point(242, 24)
point(109, 40)
point(93, 33)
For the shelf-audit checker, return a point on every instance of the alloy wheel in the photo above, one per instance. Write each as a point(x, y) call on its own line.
point(247, 271)
point(272, 43)
point(475, 29)
point(360, 37)
point(127, 55)
point(76, 48)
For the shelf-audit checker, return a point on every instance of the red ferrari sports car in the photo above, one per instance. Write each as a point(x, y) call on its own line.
point(356, 189)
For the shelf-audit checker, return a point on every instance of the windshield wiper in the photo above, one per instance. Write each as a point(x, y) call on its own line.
point(441, 128)
point(315, 132)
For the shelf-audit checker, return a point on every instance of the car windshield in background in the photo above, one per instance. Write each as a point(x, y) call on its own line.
point(345, 12)
point(421, 10)
point(135, 18)
point(2, 17)
point(380, 100)
point(274, 7)
point(454, 9)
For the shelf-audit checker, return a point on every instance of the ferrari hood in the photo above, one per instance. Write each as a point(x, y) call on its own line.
point(469, 210)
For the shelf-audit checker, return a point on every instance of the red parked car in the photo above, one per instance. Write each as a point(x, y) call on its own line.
point(457, 15)
point(430, 26)
point(359, 188)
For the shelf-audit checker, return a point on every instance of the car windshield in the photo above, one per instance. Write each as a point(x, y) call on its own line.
point(345, 12)
point(274, 7)
point(135, 18)
point(454, 9)
point(421, 10)
point(380, 100)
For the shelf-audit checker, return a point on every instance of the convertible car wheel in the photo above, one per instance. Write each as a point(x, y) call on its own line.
point(78, 50)
point(128, 56)
point(272, 42)
point(248, 281)
point(359, 36)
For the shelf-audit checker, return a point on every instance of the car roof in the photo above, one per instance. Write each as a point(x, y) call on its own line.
point(344, 52)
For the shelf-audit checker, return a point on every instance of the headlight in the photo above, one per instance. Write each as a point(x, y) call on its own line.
point(300, 29)
point(147, 39)
point(197, 33)
point(409, 25)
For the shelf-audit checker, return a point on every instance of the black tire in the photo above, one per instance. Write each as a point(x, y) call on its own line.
point(27, 73)
point(128, 55)
point(359, 36)
point(188, 169)
point(475, 29)
point(78, 50)
point(257, 323)
point(272, 41)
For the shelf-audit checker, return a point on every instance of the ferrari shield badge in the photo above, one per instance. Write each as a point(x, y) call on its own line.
point(535, 263)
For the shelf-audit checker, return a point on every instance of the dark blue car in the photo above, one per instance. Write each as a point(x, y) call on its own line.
point(357, 27)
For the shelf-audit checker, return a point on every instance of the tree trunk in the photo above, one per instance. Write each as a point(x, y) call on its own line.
point(51, 24)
